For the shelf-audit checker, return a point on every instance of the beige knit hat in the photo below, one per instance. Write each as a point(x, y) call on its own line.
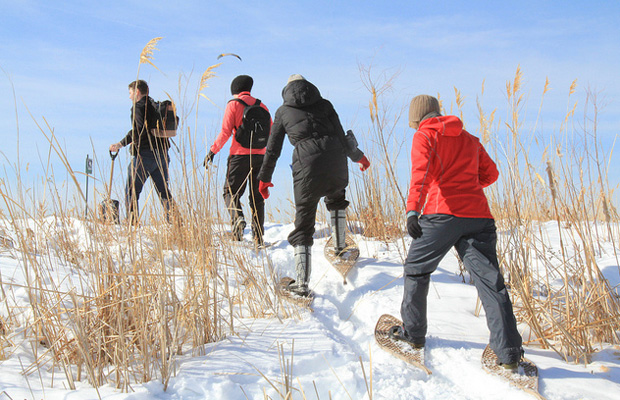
point(295, 77)
point(421, 106)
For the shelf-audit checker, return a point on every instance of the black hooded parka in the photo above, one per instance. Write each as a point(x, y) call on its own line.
point(313, 127)
point(319, 157)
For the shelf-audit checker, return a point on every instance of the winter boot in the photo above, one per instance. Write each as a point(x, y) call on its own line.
point(339, 229)
point(303, 267)
point(398, 333)
point(237, 229)
point(511, 367)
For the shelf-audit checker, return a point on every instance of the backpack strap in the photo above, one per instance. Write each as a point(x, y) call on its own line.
point(240, 101)
point(257, 103)
point(244, 105)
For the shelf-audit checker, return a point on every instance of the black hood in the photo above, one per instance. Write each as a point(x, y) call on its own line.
point(300, 93)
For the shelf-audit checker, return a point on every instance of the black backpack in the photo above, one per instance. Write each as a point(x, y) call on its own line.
point(255, 126)
point(167, 120)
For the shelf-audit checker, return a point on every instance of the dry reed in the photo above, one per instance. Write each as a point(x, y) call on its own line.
point(563, 298)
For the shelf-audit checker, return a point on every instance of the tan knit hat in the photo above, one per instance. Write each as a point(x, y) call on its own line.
point(421, 106)
point(295, 77)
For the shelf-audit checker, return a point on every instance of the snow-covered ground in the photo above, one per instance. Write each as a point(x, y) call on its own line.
point(332, 351)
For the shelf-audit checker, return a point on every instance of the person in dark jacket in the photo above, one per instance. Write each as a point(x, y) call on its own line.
point(446, 208)
point(319, 167)
point(243, 163)
point(150, 153)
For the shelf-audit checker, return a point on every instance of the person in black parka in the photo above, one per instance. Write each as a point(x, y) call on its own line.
point(319, 167)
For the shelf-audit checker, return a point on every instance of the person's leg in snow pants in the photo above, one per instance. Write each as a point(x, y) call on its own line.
point(305, 215)
point(257, 203)
point(336, 201)
point(475, 240)
point(236, 180)
point(243, 170)
point(141, 167)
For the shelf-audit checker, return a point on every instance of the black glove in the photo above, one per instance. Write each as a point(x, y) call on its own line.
point(208, 159)
point(413, 227)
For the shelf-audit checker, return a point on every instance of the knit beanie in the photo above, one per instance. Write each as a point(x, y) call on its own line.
point(295, 77)
point(242, 83)
point(420, 107)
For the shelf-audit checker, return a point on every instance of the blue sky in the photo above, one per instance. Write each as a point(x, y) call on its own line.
point(69, 62)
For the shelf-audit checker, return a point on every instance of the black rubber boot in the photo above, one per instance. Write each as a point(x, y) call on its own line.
point(339, 229)
point(303, 268)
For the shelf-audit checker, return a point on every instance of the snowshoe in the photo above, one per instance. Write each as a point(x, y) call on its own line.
point(398, 333)
point(344, 260)
point(524, 376)
point(403, 349)
point(301, 295)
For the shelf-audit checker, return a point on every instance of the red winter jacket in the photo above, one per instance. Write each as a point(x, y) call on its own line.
point(449, 169)
point(233, 115)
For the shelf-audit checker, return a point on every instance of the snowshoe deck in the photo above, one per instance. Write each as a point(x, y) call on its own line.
point(249, 244)
point(253, 246)
point(292, 297)
point(526, 378)
point(345, 260)
point(398, 348)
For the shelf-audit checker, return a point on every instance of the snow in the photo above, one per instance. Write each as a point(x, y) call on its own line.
point(331, 352)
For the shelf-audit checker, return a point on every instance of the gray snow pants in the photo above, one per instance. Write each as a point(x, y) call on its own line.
point(474, 239)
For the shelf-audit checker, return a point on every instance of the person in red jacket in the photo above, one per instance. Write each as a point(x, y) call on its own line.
point(447, 207)
point(243, 162)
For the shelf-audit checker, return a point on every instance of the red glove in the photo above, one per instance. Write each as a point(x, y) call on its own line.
point(263, 188)
point(364, 163)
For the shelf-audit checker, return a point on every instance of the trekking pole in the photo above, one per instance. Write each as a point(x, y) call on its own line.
point(88, 170)
point(113, 157)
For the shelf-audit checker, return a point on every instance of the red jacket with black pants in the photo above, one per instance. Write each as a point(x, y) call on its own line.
point(449, 170)
point(243, 166)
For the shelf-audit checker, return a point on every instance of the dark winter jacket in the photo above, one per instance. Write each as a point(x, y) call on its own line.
point(143, 120)
point(313, 127)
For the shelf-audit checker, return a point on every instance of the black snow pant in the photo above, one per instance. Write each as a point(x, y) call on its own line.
point(305, 215)
point(319, 170)
point(474, 240)
point(243, 171)
point(147, 164)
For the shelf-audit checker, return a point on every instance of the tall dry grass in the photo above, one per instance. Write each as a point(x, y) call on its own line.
point(379, 194)
point(564, 298)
